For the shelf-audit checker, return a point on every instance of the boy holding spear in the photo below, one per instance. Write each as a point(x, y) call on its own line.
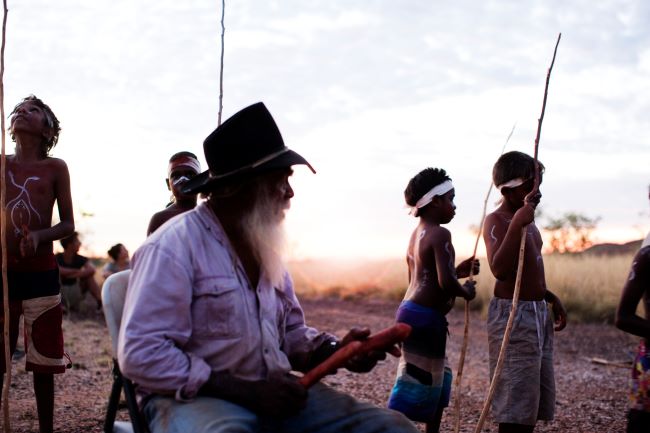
point(525, 390)
point(34, 181)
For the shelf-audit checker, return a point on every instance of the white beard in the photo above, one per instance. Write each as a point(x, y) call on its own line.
point(263, 229)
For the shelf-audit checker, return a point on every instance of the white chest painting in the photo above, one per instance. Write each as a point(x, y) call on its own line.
point(20, 207)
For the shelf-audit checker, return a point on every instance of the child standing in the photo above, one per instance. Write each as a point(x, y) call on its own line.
point(183, 166)
point(34, 181)
point(526, 387)
point(637, 287)
point(423, 384)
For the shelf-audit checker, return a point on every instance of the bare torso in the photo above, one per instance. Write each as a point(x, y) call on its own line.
point(533, 287)
point(30, 196)
point(424, 287)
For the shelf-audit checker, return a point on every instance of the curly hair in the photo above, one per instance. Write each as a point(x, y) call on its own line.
point(513, 165)
point(422, 182)
point(50, 121)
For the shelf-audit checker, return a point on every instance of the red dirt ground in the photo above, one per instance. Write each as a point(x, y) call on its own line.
point(591, 397)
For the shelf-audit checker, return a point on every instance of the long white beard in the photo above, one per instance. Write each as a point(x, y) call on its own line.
point(263, 228)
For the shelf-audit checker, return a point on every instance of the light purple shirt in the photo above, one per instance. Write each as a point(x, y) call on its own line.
point(190, 310)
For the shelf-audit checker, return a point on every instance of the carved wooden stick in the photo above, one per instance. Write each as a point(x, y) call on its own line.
point(463, 350)
point(379, 341)
point(520, 265)
point(331, 364)
point(3, 231)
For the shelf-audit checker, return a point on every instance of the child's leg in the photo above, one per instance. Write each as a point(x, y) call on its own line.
point(515, 428)
point(89, 284)
point(434, 426)
point(44, 392)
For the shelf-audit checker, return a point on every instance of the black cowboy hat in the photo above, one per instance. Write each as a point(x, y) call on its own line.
point(246, 144)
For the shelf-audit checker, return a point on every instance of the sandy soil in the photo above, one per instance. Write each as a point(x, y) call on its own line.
point(591, 396)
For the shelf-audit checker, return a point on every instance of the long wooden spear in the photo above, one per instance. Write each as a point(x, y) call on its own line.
point(223, 32)
point(3, 231)
point(463, 350)
point(520, 265)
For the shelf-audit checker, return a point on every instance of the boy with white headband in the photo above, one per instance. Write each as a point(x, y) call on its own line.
point(525, 391)
point(183, 166)
point(423, 384)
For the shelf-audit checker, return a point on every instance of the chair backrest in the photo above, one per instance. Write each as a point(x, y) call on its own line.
point(113, 295)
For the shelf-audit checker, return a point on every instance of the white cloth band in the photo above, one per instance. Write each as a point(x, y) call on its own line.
point(184, 161)
point(512, 183)
point(439, 189)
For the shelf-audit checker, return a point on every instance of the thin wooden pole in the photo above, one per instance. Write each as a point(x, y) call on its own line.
point(463, 350)
point(520, 265)
point(223, 32)
point(3, 231)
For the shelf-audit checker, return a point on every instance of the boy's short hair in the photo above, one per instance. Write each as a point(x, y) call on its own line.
point(50, 119)
point(181, 154)
point(422, 183)
point(114, 251)
point(68, 239)
point(514, 165)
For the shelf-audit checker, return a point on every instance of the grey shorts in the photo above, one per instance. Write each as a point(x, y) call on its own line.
point(525, 390)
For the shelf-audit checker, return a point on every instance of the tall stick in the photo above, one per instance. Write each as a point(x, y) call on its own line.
point(520, 265)
point(223, 32)
point(463, 350)
point(3, 231)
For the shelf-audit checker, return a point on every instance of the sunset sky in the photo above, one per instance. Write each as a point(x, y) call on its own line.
point(370, 92)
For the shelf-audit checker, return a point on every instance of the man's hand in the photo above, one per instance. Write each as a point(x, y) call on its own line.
point(469, 288)
point(279, 396)
point(463, 269)
point(559, 314)
point(365, 362)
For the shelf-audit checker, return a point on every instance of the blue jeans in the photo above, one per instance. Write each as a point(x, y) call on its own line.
point(327, 411)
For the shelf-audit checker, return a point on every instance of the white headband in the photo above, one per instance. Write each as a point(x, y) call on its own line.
point(185, 161)
point(439, 189)
point(512, 183)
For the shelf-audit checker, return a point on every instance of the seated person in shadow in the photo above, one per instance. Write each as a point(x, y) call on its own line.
point(77, 274)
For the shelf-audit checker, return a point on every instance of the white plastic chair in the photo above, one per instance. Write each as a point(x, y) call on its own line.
point(113, 295)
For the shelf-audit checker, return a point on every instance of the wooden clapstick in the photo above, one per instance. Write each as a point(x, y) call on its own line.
point(379, 341)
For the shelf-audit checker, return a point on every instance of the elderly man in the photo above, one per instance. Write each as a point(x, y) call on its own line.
point(212, 327)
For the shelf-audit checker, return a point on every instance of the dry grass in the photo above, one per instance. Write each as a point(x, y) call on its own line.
point(382, 278)
point(589, 286)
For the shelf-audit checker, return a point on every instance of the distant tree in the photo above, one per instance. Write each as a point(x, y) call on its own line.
point(570, 233)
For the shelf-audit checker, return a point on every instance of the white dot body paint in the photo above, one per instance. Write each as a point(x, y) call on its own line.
point(451, 259)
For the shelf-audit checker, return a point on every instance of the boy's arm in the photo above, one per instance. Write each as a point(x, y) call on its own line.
point(559, 313)
point(445, 257)
point(636, 286)
point(502, 240)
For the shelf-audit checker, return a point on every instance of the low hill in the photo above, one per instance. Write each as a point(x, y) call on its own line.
point(608, 249)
